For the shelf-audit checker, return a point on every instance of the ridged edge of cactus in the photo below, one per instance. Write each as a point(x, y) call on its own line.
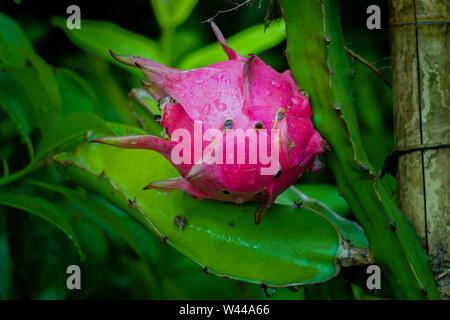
point(314, 34)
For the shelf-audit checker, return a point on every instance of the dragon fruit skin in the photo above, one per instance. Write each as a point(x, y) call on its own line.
point(251, 95)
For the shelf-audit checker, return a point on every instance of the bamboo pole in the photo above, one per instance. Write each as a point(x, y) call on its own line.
point(420, 59)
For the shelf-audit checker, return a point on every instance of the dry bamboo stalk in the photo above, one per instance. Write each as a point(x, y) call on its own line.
point(420, 58)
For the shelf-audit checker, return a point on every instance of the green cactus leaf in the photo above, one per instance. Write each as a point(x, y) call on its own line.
point(290, 246)
point(326, 193)
point(350, 230)
point(320, 65)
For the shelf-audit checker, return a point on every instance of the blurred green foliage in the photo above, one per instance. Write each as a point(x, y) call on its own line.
point(56, 85)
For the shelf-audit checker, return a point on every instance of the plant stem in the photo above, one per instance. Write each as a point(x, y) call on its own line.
point(368, 65)
point(166, 44)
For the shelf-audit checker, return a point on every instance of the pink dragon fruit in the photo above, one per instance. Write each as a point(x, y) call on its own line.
point(238, 93)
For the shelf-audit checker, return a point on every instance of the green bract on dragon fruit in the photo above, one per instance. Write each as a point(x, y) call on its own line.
point(242, 98)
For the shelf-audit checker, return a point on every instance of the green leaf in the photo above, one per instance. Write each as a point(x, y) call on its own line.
point(76, 94)
point(13, 43)
point(32, 88)
point(42, 256)
point(66, 129)
point(185, 40)
point(101, 211)
point(217, 235)
point(61, 132)
point(100, 76)
point(14, 109)
point(251, 40)
point(6, 266)
point(15, 51)
point(48, 81)
point(45, 210)
point(102, 36)
point(172, 13)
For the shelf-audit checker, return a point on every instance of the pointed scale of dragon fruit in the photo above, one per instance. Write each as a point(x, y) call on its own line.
point(238, 93)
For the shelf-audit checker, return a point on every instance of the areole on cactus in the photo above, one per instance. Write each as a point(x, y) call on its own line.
point(242, 95)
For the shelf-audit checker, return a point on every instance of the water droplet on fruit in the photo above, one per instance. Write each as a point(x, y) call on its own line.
point(207, 108)
point(221, 107)
point(295, 100)
point(275, 84)
point(218, 77)
point(267, 92)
